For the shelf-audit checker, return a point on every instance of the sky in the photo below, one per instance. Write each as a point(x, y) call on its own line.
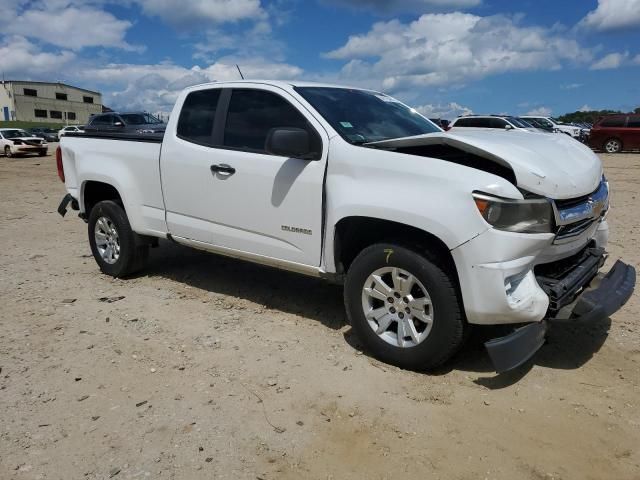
point(443, 57)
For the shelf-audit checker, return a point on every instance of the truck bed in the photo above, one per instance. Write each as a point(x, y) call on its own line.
point(131, 165)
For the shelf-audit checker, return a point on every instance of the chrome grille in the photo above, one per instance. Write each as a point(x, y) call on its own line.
point(577, 215)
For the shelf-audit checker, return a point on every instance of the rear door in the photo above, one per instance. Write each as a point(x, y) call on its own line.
point(632, 132)
point(251, 201)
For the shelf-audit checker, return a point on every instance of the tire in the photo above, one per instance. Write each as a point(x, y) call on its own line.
point(433, 345)
point(612, 145)
point(7, 152)
point(126, 255)
point(42, 153)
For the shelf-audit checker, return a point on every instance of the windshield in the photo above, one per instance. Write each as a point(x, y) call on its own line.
point(518, 122)
point(543, 122)
point(15, 133)
point(361, 116)
point(139, 118)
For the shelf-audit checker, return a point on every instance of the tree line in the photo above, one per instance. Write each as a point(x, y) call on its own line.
point(589, 116)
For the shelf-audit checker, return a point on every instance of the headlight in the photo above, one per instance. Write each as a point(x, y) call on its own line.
point(522, 216)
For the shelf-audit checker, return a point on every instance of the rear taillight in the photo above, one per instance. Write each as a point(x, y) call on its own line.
point(59, 164)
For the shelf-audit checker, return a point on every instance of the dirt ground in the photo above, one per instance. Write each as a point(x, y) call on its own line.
point(205, 367)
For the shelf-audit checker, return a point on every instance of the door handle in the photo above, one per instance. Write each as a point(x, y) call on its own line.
point(223, 168)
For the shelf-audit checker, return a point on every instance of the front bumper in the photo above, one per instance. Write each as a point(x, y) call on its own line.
point(29, 148)
point(572, 288)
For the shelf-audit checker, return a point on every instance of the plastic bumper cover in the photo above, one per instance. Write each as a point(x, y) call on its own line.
point(615, 289)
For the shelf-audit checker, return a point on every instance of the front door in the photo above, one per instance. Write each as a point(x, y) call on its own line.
point(250, 201)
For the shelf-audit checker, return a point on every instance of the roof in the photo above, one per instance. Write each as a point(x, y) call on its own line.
point(52, 83)
point(281, 83)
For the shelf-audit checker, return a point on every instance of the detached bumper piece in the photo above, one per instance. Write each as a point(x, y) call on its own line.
point(608, 297)
point(64, 204)
point(613, 292)
point(513, 350)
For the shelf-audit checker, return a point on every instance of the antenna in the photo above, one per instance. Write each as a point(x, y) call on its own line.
point(240, 71)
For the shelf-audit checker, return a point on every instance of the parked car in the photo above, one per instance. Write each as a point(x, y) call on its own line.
point(615, 133)
point(428, 233)
point(502, 122)
point(441, 122)
point(15, 141)
point(570, 130)
point(70, 129)
point(49, 134)
point(132, 122)
point(542, 124)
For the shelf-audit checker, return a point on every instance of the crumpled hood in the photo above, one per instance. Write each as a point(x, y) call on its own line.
point(549, 164)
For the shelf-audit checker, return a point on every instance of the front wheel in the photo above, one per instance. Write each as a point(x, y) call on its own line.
point(7, 151)
point(42, 153)
point(613, 145)
point(114, 245)
point(404, 307)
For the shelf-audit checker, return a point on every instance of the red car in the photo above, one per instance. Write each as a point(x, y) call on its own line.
point(615, 133)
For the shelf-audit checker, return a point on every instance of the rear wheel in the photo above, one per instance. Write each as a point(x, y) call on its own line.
point(613, 145)
point(115, 247)
point(42, 153)
point(403, 306)
point(7, 151)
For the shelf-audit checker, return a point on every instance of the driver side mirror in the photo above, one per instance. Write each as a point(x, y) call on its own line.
point(288, 142)
point(508, 127)
point(118, 124)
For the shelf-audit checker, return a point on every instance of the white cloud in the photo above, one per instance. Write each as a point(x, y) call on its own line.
point(419, 6)
point(540, 111)
point(156, 87)
point(585, 108)
point(612, 60)
point(448, 110)
point(613, 15)
point(452, 49)
point(22, 58)
point(69, 27)
point(190, 12)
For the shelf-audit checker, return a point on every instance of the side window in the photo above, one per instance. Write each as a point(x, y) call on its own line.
point(197, 116)
point(634, 122)
point(497, 123)
point(100, 120)
point(612, 122)
point(463, 122)
point(253, 113)
point(478, 122)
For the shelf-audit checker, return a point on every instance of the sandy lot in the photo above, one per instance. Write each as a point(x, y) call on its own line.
point(205, 367)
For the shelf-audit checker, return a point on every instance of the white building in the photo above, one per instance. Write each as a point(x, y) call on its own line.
point(47, 102)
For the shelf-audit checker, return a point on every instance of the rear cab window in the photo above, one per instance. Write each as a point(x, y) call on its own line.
point(197, 116)
point(253, 113)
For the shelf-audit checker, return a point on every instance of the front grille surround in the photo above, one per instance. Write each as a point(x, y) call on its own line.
point(577, 215)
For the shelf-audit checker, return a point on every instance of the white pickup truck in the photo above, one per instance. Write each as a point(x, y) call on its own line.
point(429, 231)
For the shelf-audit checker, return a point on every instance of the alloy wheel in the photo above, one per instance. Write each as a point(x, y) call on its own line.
point(397, 307)
point(107, 240)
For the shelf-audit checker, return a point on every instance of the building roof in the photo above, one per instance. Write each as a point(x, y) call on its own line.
point(52, 83)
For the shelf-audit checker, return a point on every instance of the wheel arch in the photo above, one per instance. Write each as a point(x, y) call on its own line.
point(354, 233)
point(94, 191)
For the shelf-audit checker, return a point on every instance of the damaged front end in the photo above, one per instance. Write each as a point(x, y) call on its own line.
point(577, 293)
